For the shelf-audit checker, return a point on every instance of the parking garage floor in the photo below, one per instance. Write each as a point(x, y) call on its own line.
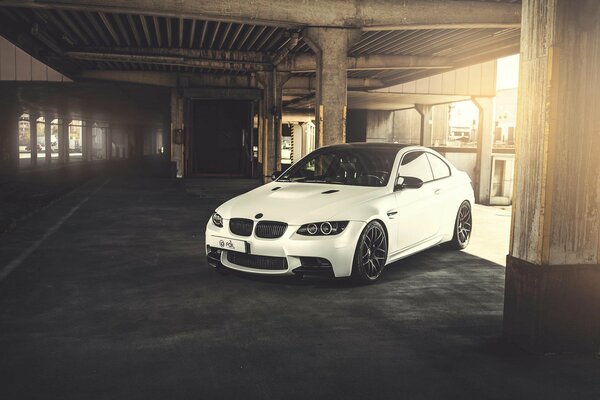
point(110, 298)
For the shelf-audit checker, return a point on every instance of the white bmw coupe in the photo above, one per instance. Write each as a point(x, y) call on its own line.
point(344, 210)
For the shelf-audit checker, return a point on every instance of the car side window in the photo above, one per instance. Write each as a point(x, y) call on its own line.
point(438, 166)
point(415, 164)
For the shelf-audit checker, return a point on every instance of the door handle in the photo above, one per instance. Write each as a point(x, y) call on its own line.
point(392, 213)
point(437, 191)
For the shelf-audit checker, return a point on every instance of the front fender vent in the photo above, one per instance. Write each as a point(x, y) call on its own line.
point(330, 191)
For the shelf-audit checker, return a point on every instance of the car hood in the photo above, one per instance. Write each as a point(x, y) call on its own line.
point(297, 203)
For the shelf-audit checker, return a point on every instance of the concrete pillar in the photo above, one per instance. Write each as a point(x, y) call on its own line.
point(331, 48)
point(425, 110)
point(109, 154)
point(33, 134)
point(552, 298)
point(485, 141)
point(270, 142)
point(9, 140)
point(48, 139)
point(279, 79)
point(86, 141)
point(63, 140)
point(177, 123)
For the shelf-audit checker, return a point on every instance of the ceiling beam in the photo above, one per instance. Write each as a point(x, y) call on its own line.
point(310, 84)
point(303, 85)
point(173, 60)
point(420, 27)
point(382, 14)
point(252, 61)
point(306, 62)
point(166, 79)
point(216, 55)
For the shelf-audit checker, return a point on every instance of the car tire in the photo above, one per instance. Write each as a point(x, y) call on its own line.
point(370, 254)
point(463, 225)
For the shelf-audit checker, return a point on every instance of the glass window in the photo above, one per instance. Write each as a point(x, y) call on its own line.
point(438, 166)
point(415, 164)
point(359, 166)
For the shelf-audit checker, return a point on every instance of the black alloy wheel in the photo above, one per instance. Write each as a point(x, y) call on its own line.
point(370, 254)
point(462, 227)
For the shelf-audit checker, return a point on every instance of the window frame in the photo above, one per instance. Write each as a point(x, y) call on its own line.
point(445, 163)
point(424, 151)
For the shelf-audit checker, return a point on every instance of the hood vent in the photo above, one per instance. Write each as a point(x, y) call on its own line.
point(330, 191)
point(275, 188)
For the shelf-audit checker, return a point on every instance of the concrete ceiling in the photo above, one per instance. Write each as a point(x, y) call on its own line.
point(137, 36)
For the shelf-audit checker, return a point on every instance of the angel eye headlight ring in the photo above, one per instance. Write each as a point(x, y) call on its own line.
point(322, 228)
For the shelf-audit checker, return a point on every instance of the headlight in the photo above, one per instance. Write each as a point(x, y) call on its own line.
point(326, 228)
point(217, 220)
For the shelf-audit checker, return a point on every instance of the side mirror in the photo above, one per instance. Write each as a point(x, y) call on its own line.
point(407, 182)
point(275, 175)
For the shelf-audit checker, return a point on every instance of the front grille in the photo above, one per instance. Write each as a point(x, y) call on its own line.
point(257, 262)
point(270, 229)
point(241, 226)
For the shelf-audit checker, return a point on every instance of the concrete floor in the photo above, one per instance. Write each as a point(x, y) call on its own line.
point(110, 298)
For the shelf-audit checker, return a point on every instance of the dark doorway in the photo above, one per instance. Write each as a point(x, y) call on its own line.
point(356, 126)
point(221, 138)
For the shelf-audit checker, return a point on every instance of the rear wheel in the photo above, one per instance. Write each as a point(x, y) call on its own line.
point(370, 254)
point(462, 227)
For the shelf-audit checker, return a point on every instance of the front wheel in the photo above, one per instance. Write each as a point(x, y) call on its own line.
point(462, 227)
point(370, 254)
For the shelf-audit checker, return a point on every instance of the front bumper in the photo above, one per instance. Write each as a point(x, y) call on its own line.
point(295, 249)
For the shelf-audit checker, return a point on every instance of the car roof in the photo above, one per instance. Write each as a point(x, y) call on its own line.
point(369, 145)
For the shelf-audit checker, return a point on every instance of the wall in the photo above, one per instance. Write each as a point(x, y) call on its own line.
point(475, 80)
point(403, 126)
point(16, 65)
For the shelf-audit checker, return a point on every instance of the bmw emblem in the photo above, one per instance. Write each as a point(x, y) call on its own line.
point(258, 216)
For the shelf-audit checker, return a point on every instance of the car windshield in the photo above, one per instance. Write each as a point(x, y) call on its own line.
point(356, 166)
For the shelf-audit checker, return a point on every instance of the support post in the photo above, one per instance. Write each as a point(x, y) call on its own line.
point(425, 110)
point(552, 301)
point(63, 140)
point(33, 135)
point(109, 154)
point(86, 141)
point(48, 138)
point(331, 101)
point(9, 141)
point(485, 140)
point(177, 149)
point(272, 84)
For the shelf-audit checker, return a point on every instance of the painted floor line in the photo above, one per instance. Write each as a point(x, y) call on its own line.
point(10, 267)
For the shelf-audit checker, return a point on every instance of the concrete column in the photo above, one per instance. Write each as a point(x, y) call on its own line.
point(552, 298)
point(485, 141)
point(267, 135)
point(63, 140)
point(9, 140)
point(279, 79)
point(109, 154)
point(86, 141)
point(331, 48)
point(425, 110)
point(48, 138)
point(33, 134)
point(177, 150)
point(272, 85)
